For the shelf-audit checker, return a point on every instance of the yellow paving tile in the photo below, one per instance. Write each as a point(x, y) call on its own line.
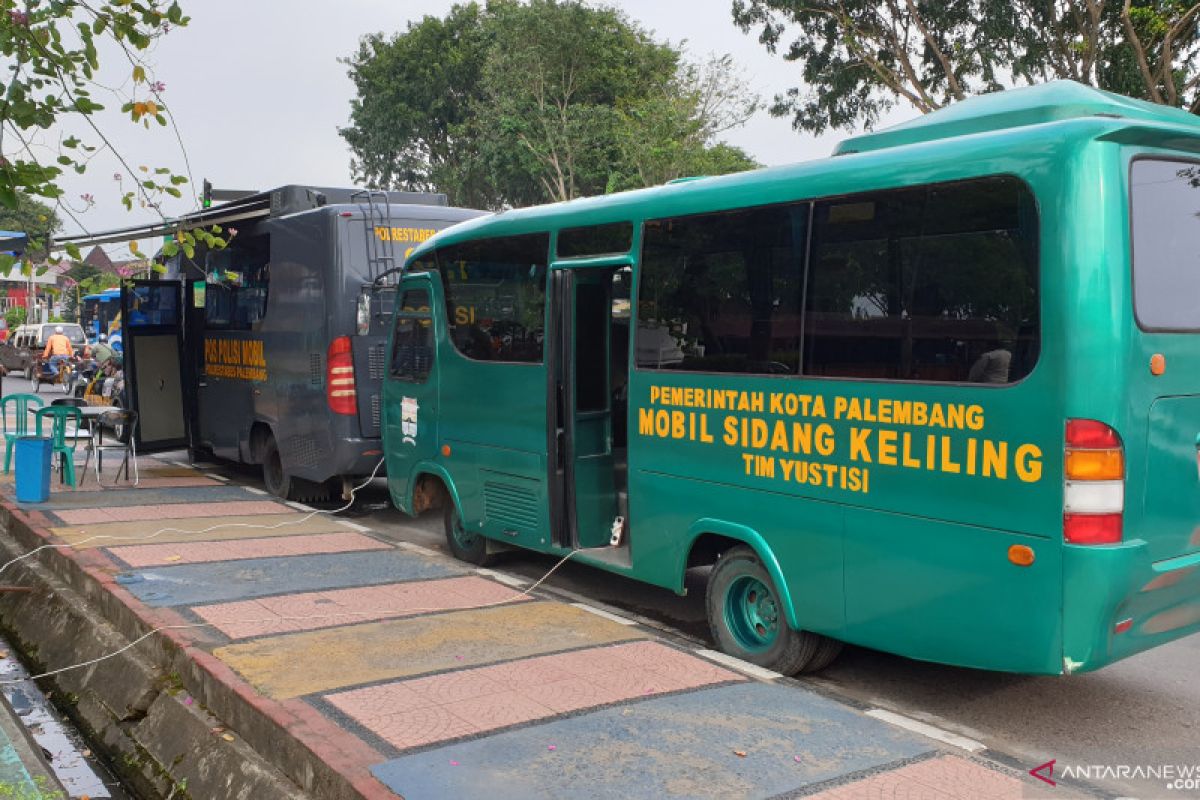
point(318, 661)
point(132, 532)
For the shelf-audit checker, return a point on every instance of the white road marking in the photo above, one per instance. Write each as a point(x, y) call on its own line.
point(416, 548)
point(599, 612)
point(925, 729)
point(252, 490)
point(299, 506)
point(354, 526)
point(753, 670)
point(502, 577)
point(223, 479)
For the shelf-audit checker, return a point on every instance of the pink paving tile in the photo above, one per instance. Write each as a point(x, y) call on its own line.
point(453, 687)
point(155, 555)
point(422, 726)
point(86, 516)
point(312, 610)
point(942, 778)
point(498, 710)
point(496, 696)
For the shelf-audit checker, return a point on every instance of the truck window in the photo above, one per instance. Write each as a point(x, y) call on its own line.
point(721, 292)
point(933, 283)
point(239, 281)
point(1164, 200)
point(412, 341)
point(496, 297)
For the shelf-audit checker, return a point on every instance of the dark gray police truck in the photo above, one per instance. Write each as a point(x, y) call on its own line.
point(283, 334)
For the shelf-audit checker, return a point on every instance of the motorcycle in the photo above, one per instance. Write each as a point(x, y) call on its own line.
point(43, 374)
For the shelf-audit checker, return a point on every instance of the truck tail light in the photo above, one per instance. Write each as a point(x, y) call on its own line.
point(1093, 483)
point(339, 377)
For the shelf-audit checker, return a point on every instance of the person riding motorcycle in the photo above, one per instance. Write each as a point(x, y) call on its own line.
point(102, 352)
point(58, 350)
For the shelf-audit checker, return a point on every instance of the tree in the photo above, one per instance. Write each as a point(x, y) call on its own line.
point(50, 52)
point(416, 91)
point(518, 103)
point(861, 58)
point(33, 218)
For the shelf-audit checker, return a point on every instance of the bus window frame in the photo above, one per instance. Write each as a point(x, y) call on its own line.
point(546, 301)
point(639, 245)
point(418, 317)
point(1146, 156)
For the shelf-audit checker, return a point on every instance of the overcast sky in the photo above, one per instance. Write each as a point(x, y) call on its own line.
point(258, 94)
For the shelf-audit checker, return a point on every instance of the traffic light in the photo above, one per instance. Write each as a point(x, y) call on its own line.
point(206, 198)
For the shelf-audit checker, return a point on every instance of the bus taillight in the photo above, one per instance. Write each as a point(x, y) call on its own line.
point(339, 377)
point(1093, 483)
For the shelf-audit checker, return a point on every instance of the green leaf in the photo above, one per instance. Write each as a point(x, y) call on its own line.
point(73, 251)
point(170, 248)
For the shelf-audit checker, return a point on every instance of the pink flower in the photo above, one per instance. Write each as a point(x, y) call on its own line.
point(18, 18)
point(116, 176)
point(87, 198)
point(158, 87)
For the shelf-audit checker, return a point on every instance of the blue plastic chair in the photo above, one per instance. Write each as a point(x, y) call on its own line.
point(58, 433)
point(20, 421)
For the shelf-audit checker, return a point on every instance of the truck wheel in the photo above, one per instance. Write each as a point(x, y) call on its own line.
point(464, 544)
point(278, 482)
point(283, 485)
point(748, 621)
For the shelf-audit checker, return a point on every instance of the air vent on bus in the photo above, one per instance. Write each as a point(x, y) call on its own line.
point(510, 505)
point(315, 373)
point(377, 361)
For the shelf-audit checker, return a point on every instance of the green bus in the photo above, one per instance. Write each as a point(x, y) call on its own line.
point(937, 395)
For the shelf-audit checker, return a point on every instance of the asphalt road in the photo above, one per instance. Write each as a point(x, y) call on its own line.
point(1141, 712)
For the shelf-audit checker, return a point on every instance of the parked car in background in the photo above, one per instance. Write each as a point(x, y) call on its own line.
point(20, 350)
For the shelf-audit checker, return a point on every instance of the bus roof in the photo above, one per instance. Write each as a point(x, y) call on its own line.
point(104, 294)
point(1048, 102)
point(1059, 110)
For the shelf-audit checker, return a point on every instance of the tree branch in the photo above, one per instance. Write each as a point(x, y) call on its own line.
point(952, 81)
point(1140, 52)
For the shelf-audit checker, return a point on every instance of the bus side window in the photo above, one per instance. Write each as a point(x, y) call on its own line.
point(932, 283)
point(412, 342)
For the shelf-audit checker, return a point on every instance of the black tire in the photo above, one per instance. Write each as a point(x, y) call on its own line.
point(748, 621)
point(28, 372)
point(37, 384)
point(284, 485)
point(465, 545)
point(275, 479)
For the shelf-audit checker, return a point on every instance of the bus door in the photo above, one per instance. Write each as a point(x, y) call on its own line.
point(410, 388)
point(152, 358)
point(584, 466)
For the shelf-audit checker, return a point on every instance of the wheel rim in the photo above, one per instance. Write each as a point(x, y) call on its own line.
point(752, 613)
point(462, 537)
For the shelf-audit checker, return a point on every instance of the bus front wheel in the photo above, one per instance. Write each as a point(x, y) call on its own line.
point(748, 621)
point(466, 545)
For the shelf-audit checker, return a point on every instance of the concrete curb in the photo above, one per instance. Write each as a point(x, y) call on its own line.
point(134, 705)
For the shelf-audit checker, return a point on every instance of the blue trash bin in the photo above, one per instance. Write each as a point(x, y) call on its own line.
point(33, 458)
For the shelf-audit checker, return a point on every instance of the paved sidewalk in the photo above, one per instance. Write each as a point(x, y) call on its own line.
point(409, 674)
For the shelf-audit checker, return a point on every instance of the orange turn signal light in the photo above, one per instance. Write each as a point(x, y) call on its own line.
point(1095, 465)
point(1021, 555)
point(1158, 364)
point(446, 450)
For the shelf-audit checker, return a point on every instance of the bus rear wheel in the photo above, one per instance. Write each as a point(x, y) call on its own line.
point(748, 621)
point(464, 544)
point(282, 484)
